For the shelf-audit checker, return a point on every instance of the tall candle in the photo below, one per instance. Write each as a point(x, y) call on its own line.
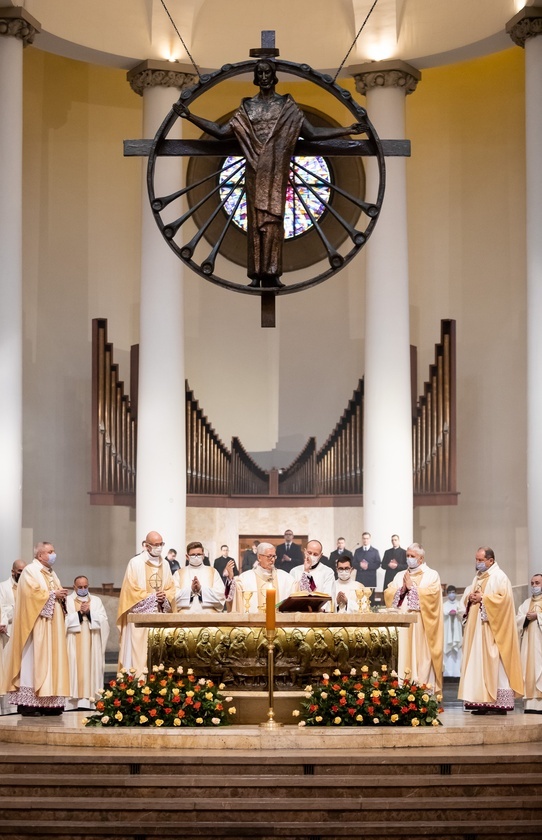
point(270, 615)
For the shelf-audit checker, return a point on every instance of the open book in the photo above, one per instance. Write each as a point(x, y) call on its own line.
point(304, 602)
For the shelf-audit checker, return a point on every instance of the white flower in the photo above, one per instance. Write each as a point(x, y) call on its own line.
point(221, 687)
point(120, 675)
point(308, 688)
point(201, 681)
point(216, 721)
point(375, 720)
point(394, 674)
point(376, 674)
point(190, 671)
point(325, 676)
point(145, 671)
point(229, 699)
point(161, 667)
point(324, 695)
point(353, 672)
point(301, 723)
point(105, 719)
point(180, 669)
point(155, 669)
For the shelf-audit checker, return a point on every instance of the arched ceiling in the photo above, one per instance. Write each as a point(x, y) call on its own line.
point(123, 33)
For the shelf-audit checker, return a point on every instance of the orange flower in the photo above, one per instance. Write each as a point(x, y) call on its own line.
point(100, 706)
point(116, 702)
point(181, 713)
point(163, 682)
point(153, 712)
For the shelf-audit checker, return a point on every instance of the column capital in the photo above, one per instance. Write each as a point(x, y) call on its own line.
point(526, 24)
point(152, 73)
point(392, 73)
point(17, 23)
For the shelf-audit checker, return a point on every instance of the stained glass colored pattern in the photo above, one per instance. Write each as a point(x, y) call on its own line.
point(307, 193)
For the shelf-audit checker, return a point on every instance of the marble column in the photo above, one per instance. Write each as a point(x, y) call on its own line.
point(161, 448)
point(387, 444)
point(525, 30)
point(17, 28)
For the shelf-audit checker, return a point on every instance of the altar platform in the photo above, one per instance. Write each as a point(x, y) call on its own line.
point(458, 729)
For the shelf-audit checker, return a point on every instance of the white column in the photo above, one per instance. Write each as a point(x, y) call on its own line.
point(16, 29)
point(161, 447)
point(387, 443)
point(525, 30)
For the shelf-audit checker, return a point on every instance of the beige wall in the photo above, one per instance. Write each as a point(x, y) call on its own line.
point(275, 387)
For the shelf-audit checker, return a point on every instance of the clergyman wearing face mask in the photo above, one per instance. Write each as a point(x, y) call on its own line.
point(529, 625)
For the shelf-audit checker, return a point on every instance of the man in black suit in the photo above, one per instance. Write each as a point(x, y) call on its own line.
point(366, 561)
point(289, 553)
point(221, 562)
point(250, 556)
point(394, 560)
point(340, 553)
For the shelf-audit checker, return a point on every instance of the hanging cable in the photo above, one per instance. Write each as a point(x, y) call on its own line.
point(369, 13)
point(195, 66)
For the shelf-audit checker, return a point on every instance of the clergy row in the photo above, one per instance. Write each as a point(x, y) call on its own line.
point(52, 640)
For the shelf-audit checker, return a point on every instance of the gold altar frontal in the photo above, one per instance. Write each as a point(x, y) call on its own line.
point(231, 648)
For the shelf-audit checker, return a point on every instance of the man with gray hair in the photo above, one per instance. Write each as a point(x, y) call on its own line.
point(418, 590)
point(251, 585)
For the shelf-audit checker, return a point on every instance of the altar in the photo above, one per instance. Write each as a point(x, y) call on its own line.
point(231, 648)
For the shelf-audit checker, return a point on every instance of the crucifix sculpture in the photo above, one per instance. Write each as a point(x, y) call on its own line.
point(265, 133)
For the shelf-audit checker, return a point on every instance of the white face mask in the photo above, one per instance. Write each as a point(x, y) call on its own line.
point(412, 562)
point(536, 590)
point(195, 559)
point(313, 560)
point(344, 574)
point(155, 551)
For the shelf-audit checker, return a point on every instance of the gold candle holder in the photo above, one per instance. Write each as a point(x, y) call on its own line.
point(271, 723)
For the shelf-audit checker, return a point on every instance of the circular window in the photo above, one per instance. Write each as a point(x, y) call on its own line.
point(307, 194)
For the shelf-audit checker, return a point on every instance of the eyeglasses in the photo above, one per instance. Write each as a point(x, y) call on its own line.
point(269, 556)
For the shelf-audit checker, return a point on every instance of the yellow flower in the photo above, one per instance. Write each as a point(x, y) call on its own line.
point(364, 669)
point(425, 698)
point(336, 672)
point(392, 692)
point(415, 722)
point(383, 667)
point(175, 692)
point(232, 710)
point(119, 716)
point(108, 695)
point(163, 692)
point(308, 688)
point(221, 687)
point(318, 718)
point(130, 692)
point(337, 720)
point(189, 693)
point(295, 712)
point(342, 692)
point(199, 720)
point(434, 722)
point(411, 698)
point(143, 719)
point(375, 693)
point(209, 695)
point(176, 722)
point(394, 718)
point(439, 698)
point(375, 720)
point(145, 690)
point(158, 721)
point(359, 718)
point(361, 695)
point(84, 721)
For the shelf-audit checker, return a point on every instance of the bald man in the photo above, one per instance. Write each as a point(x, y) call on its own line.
point(147, 588)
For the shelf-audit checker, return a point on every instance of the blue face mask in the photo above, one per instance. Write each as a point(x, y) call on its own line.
point(536, 590)
point(51, 558)
point(82, 592)
point(451, 596)
point(481, 567)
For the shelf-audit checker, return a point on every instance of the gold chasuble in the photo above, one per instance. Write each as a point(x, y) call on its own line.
point(420, 644)
point(491, 668)
point(143, 578)
point(38, 667)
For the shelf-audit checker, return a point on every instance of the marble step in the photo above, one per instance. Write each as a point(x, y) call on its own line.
point(253, 786)
point(132, 829)
point(268, 810)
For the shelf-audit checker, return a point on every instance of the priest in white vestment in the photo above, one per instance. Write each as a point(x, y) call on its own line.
point(529, 624)
point(200, 588)
point(87, 631)
point(491, 675)
point(8, 597)
point(147, 588)
point(418, 590)
point(453, 632)
point(37, 669)
point(314, 576)
point(347, 589)
point(251, 586)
